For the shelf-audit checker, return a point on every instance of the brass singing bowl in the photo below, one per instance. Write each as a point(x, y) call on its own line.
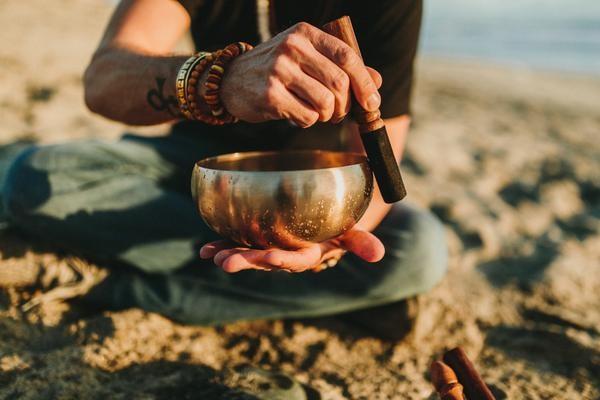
point(282, 199)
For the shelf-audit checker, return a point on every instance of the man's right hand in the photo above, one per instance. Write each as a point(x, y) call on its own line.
point(303, 74)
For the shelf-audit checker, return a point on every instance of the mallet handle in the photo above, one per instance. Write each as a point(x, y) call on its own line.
point(372, 129)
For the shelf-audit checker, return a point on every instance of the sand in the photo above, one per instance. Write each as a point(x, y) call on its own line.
point(507, 158)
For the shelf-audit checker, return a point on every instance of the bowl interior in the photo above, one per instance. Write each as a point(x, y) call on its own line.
point(282, 161)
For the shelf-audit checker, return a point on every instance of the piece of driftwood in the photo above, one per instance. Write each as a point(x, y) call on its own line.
point(445, 381)
point(372, 129)
point(474, 387)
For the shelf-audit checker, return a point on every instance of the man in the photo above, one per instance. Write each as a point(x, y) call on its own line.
point(127, 204)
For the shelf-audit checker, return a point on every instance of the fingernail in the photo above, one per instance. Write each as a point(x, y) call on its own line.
point(332, 262)
point(338, 119)
point(205, 252)
point(373, 101)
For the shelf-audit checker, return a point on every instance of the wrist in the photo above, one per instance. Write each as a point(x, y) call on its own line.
point(201, 92)
point(192, 86)
point(198, 85)
point(229, 86)
point(214, 81)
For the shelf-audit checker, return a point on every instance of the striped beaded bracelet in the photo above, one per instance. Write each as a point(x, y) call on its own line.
point(215, 76)
point(182, 83)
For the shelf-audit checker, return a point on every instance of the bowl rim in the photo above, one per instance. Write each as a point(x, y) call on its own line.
point(359, 160)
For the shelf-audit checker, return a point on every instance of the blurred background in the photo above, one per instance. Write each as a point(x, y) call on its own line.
point(546, 34)
point(504, 149)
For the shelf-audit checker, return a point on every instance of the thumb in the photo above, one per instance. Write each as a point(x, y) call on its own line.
point(364, 244)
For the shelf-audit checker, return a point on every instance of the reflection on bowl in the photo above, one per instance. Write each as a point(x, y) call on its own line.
point(282, 199)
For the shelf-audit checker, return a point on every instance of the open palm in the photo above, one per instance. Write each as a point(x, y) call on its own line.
point(234, 258)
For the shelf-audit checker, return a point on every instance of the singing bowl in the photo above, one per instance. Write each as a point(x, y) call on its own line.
point(282, 199)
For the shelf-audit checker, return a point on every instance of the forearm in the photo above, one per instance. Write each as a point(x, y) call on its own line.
point(133, 88)
point(376, 212)
point(397, 130)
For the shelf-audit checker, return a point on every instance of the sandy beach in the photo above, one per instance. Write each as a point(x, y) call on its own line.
point(508, 159)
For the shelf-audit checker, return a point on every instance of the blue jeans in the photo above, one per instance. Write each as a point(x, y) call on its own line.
point(127, 205)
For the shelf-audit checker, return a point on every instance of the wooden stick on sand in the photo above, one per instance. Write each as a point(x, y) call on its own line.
point(445, 382)
point(475, 387)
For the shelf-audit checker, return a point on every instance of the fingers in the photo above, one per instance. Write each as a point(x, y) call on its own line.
point(245, 259)
point(225, 255)
point(287, 105)
point(363, 85)
point(296, 260)
point(331, 76)
point(313, 92)
point(209, 250)
point(238, 259)
point(298, 111)
point(335, 81)
point(311, 75)
point(234, 259)
point(364, 244)
point(222, 255)
point(376, 77)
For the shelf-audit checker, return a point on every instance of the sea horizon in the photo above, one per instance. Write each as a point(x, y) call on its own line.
point(551, 35)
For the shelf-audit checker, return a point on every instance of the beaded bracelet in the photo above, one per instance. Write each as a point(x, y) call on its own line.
point(188, 78)
point(215, 76)
point(192, 90)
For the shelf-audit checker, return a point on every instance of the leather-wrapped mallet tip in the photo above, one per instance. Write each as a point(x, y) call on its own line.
point(384, 165)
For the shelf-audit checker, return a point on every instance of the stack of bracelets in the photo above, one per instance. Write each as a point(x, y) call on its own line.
point(189, 76)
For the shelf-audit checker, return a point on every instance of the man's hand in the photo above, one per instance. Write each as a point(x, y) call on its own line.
point(234, 259)
point(303, 74)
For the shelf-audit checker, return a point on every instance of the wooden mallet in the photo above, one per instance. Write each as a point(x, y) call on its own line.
point(474, 386)
point(372, 129)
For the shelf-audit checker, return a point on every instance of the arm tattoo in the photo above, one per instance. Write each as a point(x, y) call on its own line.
point(159, 102)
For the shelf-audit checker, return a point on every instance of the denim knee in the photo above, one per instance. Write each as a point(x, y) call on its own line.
point(430, 250)
point(26, 186)
point(416, 252)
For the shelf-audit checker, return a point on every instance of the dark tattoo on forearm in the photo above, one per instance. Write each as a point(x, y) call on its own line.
point(159, 102)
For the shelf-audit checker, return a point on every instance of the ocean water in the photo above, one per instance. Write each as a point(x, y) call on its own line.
point(559, 35)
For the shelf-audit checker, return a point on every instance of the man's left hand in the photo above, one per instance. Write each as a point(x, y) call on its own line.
point(233, 258)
